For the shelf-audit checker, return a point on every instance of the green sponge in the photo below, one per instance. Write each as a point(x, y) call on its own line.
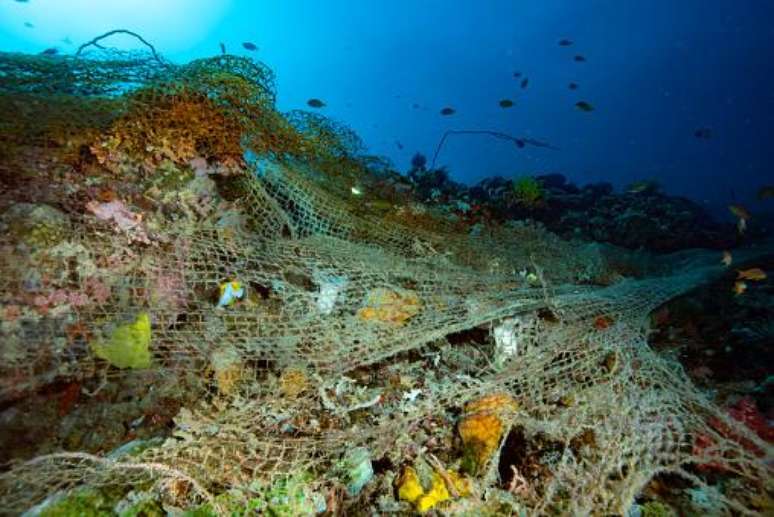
point(128, 346)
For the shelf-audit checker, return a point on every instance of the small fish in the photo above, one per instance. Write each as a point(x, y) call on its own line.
point(740, 287)
point(578, 58)
point(727, 258)
point(516, 74)
point(252, 47)
point(766, 192)
point(50, 52)
point(356, 191)
point(703, 133)
point(222, 48)
point(755, 274)
point(524, 82)
point(230, 292)
point(584, 106)
point(565, 43)
point(415, 106)
point(520, 143)
point(67, 41)
point(506, 103)
point(448, 111)
point(29, 25)
point(739, 211)
point(572, 86)
point(315, 103)
point(398, 145)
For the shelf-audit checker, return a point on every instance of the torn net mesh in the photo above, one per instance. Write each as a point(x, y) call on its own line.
point(332, 286)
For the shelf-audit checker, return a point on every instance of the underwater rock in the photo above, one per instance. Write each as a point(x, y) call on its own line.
point(228, 370)
point(35, 225)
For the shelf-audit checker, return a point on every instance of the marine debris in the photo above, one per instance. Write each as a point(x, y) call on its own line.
point(211, 307)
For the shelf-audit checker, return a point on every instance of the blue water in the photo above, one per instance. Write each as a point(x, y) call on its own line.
point(656, 71)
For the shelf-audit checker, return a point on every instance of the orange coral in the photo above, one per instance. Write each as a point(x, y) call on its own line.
point(482, 428)
point(390, 306)
point(602, 322)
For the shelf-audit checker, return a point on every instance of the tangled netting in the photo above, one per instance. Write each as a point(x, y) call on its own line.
point(167, 221)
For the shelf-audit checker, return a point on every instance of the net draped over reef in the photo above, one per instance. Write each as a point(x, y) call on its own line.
point(166, 222)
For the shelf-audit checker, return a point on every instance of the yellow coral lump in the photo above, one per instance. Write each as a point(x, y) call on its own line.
point(293, 382)
point(481, 428)
point(411, 490)
point(389, 306)
point(409, 487)
point(128, 346)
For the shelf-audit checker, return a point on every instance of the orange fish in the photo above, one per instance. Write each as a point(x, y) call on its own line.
point(739, 211)
point(740, 287)
point(727, 258)
point(755, 274)
point(602, 322)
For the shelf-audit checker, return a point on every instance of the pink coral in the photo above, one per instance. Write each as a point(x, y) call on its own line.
point(97, 289)
point(124, 219)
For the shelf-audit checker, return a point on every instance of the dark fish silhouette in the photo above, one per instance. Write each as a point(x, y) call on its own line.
point(524, 82)
point(399, 145)
point(222, 48)
point(448, 111)
point(572, 86)
point(415, 106)
point(315, 103)
point(766, 192)
point(584, 106)
point(579, 58)
point(703, 133)
point(506, 103)
point(536, 143)
point(50, 52)
point(250, 46)
point(565, 43)
point(516, 74)
point(29, 25)
point(520, 143)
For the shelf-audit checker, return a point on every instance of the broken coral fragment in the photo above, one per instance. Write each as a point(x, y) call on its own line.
point(357, 470)
point(482, 427)
point(128, 346)
point(388, 306)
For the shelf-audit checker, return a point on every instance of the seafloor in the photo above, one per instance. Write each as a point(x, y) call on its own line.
point(211, 307)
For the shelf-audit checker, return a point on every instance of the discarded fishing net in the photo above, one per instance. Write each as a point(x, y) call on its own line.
point(335, 345)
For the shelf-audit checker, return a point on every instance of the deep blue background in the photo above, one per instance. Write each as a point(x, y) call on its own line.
point(657, 70)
